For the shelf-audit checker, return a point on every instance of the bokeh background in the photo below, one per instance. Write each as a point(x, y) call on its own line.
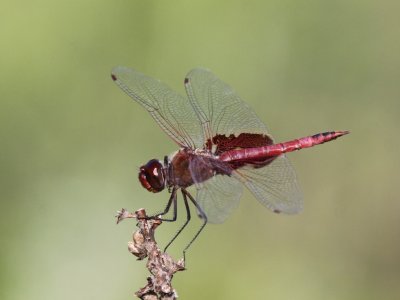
point(71, 143)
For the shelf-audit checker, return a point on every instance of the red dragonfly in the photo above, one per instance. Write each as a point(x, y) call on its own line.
point(223, 146)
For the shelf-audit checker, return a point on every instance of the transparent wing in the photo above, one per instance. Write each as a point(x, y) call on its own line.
point(274, 185)
point(218, 107)
point(217, 196)
point(172, 112)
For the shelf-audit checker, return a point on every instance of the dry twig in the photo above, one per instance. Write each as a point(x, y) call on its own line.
point(161, 265)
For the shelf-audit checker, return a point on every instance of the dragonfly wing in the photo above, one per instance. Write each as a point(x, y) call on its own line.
point(218, 107)
point(274, 185)
point(170, 110)
point(217, 196)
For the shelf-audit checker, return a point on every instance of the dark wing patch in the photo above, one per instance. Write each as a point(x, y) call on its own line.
point(244, 140)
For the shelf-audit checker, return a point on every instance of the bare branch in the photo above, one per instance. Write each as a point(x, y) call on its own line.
point(161, 265)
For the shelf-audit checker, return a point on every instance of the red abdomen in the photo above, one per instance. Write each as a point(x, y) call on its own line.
point(265, 152)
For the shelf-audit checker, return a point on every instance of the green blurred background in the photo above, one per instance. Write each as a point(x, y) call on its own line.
point(71, 143)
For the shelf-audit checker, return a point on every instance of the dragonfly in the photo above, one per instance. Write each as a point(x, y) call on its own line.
point(223, 147)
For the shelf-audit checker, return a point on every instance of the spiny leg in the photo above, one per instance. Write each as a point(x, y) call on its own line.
point(172, 200)
point(203, 216)
point(184, 225)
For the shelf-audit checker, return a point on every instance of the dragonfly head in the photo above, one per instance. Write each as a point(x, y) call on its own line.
point(151, 176)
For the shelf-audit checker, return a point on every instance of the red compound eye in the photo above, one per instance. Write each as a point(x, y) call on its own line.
point(151, 176)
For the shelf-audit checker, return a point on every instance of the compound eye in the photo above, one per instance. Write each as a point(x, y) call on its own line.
point(151, 176)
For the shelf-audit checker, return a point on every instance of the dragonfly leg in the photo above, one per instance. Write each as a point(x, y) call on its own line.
point(185, 201)
point(172, 200)
point(203, 216)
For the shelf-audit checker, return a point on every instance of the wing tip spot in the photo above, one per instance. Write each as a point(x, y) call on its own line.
point(113, 77)
point(186, 80)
